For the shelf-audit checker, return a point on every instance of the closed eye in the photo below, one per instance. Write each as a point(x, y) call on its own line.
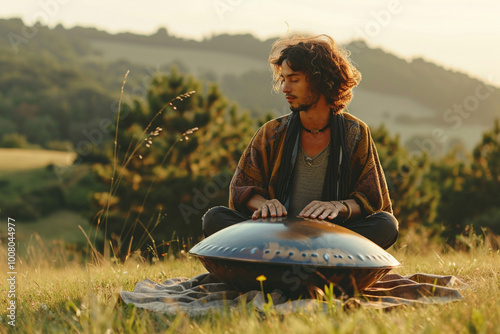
point(293, 79)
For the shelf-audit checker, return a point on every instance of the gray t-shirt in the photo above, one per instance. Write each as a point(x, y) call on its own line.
point(308, 179)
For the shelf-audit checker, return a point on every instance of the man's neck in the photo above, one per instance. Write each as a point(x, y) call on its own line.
point(316, 117)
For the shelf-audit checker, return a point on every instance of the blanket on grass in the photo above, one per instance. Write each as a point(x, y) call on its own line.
point(205, 293)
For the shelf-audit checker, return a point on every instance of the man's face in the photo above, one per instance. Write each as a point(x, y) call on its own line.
point(297, 89)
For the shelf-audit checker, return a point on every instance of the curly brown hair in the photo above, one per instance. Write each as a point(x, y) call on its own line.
point(327, 66)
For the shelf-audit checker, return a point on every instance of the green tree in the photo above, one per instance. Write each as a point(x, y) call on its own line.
point(175, 157)
point(414, 196)
point(470, 190)
point(14, 140)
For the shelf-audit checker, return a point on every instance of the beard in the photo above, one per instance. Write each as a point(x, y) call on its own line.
point(306, 106)
point(301, 107)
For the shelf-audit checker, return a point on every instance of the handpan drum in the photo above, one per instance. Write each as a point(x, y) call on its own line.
point(293, 255)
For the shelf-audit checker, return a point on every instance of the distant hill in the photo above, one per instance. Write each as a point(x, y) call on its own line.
point(412, 98)
point(82, 66)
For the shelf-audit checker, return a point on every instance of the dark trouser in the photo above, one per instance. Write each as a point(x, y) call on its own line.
point(380, 227)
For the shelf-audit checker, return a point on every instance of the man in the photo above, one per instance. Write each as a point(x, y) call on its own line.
point(318, 161)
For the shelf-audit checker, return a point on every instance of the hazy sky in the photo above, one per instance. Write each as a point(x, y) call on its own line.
point(457, 34)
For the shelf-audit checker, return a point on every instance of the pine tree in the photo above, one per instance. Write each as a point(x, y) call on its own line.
point(470, 190)
point(414, 196)
point(175, 156)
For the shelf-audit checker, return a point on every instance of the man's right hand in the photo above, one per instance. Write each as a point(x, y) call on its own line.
point(270, 208)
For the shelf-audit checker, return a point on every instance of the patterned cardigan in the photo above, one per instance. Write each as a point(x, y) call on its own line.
point(258, 168)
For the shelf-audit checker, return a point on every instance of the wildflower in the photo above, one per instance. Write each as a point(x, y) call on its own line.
point(261, 278)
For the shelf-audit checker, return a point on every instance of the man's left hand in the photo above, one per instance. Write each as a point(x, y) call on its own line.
point(321, 210)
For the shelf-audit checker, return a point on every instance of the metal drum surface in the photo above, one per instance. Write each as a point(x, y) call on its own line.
point(294, 254)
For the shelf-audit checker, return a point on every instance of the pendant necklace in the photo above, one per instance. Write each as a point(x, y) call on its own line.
point(315, 131)
point(311, 162)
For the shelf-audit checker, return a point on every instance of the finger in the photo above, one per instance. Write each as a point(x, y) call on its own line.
point(335, 212)
point(256, 214)
point(333, 215)
point(312, 209)
point(272, 209)
point(264, 211)
point(279, 210)
point(304, 210)
point(317, 212)
point(325, 214)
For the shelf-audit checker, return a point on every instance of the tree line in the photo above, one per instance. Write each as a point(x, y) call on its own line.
point(167, 176)
point(56, 86)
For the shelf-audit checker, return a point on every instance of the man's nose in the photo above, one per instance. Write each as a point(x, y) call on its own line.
point(285, 88)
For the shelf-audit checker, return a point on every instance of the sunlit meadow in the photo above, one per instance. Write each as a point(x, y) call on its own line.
point(60, 291)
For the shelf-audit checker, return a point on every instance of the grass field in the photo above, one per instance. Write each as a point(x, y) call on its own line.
point(42, 202)
point(54, 294)
point(59, 226)
point(13, 159)
point(59, 289)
